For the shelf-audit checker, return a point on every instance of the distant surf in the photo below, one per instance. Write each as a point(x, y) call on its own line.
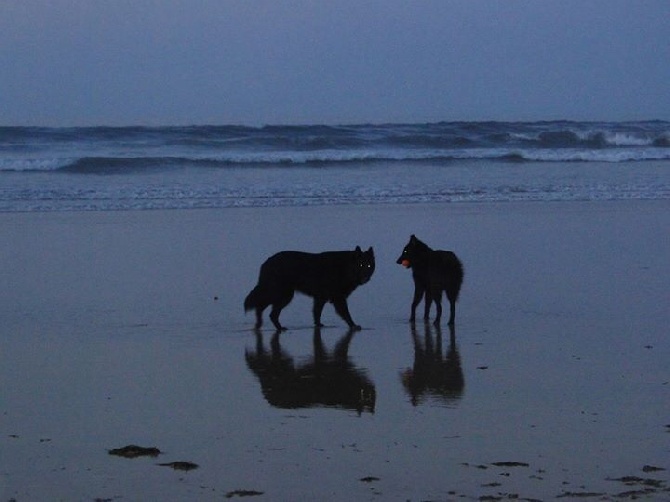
point(44, 169)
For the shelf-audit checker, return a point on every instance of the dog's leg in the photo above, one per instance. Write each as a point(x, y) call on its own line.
point(427, 301)
point(438, 309)
point(316, 311)
point(259, 317)
point(452, 312)
point(418, 294)
point(342, 310)
point(274, 317)
point(452, 306)
point(283, 299)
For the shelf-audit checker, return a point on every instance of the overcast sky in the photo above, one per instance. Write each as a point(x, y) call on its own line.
point(125, 62)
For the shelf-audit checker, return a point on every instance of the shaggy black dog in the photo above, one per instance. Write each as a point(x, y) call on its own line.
point(327, 277)
point(433, 271)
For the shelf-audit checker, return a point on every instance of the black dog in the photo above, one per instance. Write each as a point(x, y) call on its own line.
point(327, 277)
point(433, 271)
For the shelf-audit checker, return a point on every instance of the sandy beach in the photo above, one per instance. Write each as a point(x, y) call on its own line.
point(127, 328)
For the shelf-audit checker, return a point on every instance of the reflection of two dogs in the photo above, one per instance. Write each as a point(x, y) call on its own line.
point(435, 374)
point(326, 379)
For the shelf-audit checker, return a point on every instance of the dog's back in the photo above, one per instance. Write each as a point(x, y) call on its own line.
point(439, 271)
point(329, 274)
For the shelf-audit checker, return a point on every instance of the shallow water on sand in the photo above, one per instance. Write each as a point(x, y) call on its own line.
point(553, 382)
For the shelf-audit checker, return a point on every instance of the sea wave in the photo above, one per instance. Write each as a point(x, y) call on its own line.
point(103, 150)
point(497, 131)
point(128, 165)
point(34, 164)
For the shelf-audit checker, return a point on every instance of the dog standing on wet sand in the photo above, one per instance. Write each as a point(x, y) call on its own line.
point(327, 277)
point(433, 271)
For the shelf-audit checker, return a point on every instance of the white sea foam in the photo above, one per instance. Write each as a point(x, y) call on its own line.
point(19, 164)
point(627, 139)
point(138, 168)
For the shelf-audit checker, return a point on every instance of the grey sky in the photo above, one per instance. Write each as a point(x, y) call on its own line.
point(122, 62)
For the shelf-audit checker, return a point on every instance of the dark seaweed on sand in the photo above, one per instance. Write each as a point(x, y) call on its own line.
point(574, 495)
point(181, 466)
point(638, 481)
point(134, 451)
point(652, 468)
point(243, 493)
point(510, 464)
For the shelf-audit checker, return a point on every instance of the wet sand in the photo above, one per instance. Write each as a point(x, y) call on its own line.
point(127, 328)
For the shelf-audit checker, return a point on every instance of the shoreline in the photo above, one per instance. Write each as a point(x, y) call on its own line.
point(448, 203)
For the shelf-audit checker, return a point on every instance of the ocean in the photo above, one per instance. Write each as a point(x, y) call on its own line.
point(135, 168)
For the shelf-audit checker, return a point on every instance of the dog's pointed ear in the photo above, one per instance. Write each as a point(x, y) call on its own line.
point(412, 238)
point(358, 249)
point(371, 251)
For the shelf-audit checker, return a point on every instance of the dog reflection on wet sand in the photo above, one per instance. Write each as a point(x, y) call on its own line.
point(434, 375)
point(326, 379)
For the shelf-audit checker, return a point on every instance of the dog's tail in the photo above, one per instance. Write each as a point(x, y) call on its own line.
point(252, 300)
point(454, 274)
point(458, 273)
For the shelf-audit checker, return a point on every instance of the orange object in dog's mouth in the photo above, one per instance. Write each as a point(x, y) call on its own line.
point(405, 263)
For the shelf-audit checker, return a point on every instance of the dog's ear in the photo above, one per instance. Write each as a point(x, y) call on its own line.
point(412, 238)
point(358, 249)
point(371, 251)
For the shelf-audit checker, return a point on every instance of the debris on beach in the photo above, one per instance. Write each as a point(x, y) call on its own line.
point(574, 495)
point(638, 481)
point(181, 466)
point(134, 451)
point(480, 466)
point(652, 468)
point(243, 493)
point(369, 479)
point(510, 464)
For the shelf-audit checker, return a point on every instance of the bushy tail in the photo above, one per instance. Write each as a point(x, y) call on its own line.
point(457, 281)
point(252, 300)
point(453, 269)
